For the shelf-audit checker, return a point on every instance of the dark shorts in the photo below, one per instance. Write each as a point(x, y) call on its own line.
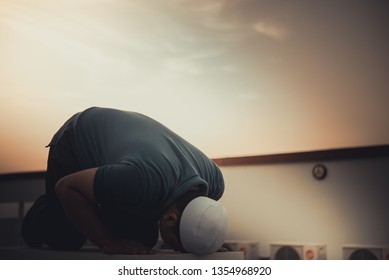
point(46, 222)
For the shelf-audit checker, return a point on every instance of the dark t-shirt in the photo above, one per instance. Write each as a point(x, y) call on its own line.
point(143, 166)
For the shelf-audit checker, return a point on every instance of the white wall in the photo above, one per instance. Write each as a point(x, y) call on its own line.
point(284, 203)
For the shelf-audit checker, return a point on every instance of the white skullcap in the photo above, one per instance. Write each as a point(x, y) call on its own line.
point(203, 226)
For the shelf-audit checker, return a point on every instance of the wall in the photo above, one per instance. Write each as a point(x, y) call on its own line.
point(283, 202)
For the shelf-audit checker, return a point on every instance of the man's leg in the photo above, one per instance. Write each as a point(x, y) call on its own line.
point(46, 221)
point(34, 223)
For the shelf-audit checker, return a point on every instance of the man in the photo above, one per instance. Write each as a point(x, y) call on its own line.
point(119, 179)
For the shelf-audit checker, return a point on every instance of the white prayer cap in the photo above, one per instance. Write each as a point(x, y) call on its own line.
point(203, 226)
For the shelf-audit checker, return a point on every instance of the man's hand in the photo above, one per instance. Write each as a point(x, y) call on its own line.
point(222, 249)
point(124, 246)
point(75, 192)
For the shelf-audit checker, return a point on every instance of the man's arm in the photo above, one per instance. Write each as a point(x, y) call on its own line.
point(76, 195)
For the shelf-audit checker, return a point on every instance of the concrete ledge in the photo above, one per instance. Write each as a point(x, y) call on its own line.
point(92, 253)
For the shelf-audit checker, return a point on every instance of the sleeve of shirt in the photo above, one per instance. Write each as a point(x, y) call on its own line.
point(120, 186)
point(216, 184)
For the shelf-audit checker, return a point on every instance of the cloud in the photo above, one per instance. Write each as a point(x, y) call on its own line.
point(232, 21)
point(274, 31)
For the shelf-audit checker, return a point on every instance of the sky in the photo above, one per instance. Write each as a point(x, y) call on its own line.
point(235, 78)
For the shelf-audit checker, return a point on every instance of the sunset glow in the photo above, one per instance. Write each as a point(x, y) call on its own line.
point(232, 77)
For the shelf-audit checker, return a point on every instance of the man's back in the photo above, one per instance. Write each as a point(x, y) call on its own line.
point(139, 159)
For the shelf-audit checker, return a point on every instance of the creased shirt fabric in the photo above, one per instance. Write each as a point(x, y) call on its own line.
point(143, 166)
